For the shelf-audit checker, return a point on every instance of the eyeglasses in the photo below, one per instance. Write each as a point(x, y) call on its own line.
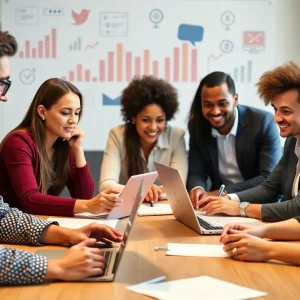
point(4, 86)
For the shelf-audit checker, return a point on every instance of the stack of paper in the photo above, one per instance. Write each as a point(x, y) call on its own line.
point(196, 250)
point(156, 210)
point(203, 287)
point(92, 216)
point(75, 223)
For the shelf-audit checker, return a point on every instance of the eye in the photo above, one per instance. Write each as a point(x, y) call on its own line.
point(223, 104)
point(145, 120)
point(160, 120)
point(286, 112)
point(64, 113)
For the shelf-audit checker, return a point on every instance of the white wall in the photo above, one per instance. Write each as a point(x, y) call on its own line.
point(284, 46)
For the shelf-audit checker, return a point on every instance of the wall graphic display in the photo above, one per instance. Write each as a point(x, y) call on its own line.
point(101, 45)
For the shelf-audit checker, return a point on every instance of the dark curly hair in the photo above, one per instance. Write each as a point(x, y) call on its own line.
point(8, 44)
point(141, 92)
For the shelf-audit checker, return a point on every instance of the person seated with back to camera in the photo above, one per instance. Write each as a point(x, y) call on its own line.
point(147, 104)
point(43, 154)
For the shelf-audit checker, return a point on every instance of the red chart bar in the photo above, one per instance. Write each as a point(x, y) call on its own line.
point(185, 57)
point(79, 73)
point(40, 49)
point(176, 64)
point(102, 70)
point(137, 66)
point(167, 69)
point(27, 49)
point(21, 54)
point(119, 62)
point(87, 75)
point(128, 66)
point(110, 66)
point(47, 46)
point(94, 79)
point(146, 62)
point(194, 64)
point(33, 52)
point(53, 43)
point(71, 76)
point(155, 68)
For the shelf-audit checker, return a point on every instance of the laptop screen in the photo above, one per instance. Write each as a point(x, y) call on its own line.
point(137, 202)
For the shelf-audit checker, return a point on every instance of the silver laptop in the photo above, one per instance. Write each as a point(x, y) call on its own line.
point(112, 256)
point(181, 203)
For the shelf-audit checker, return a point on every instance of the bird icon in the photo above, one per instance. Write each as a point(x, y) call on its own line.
point(80, 18)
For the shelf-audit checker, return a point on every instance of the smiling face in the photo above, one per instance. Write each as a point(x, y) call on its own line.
point(218, 107)
point(62, 117)
point(150, 123)
point(287, 113)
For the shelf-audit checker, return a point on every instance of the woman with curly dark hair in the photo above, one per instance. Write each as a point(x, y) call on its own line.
point(147, 104)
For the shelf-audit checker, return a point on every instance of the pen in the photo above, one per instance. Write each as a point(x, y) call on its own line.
point(221, 190)
point(151, 204)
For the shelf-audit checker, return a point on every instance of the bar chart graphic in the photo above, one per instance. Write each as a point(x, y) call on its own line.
point(76, 45)
point(46, 48)
point(242, 73)
point(121, 65)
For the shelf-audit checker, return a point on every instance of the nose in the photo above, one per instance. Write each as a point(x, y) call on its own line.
point(152, 125)
point(215, 110)
point(277, 117)
point(72, 119)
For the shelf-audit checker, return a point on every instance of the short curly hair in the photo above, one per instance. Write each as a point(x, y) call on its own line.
point(278, 81)
point(8, 44)
point(146, 90)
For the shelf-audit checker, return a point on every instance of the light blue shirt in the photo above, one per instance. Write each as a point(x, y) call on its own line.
point(228, 167)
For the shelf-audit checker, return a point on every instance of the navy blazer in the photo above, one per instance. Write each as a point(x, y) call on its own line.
point(280, 181)
point(258, 150)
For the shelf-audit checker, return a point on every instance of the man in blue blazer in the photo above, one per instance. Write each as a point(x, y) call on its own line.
point(280, 88)
point(230, 144)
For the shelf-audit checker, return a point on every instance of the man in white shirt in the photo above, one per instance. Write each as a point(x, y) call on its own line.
point(230, 144)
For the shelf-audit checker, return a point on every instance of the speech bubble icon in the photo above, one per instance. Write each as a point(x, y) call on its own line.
point(192, 33)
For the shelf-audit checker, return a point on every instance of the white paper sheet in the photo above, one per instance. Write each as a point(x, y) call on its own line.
point(156, 210)
point(223, 220)
point(88, 215)
point(203, 287)
point(74, 223)
point(196, 250)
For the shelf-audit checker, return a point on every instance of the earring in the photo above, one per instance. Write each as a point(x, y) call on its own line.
point(43, 118)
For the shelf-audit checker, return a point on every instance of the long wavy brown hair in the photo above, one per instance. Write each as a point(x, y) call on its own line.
point(56, 172)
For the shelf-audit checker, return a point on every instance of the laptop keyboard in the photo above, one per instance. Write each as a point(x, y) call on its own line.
point(208, 224)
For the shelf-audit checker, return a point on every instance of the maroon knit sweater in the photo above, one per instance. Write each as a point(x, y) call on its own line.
point(19, 173)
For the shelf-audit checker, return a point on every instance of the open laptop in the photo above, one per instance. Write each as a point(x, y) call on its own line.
point(112, 256)
point(127, 195)
point(181, 203)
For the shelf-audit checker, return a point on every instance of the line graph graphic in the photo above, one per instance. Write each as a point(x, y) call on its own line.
point(92, 46)
point(121, 65)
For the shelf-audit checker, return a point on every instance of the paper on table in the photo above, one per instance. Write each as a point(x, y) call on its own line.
point(223, 220)
point(196, 250)
point(74, 223)
point(203, 287)
point(92, 216)
point(156, 210)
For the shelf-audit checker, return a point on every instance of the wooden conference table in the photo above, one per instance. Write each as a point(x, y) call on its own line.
point(140, 262)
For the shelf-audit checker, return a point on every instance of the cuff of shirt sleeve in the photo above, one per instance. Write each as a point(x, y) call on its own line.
point(234, 198)
point(198, 187)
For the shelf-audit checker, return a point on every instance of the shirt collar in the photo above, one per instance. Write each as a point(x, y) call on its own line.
point(297, 149)
point(233, 131)
point(163, 141)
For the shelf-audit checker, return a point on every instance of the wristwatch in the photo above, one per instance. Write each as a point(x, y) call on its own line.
point(243, 206)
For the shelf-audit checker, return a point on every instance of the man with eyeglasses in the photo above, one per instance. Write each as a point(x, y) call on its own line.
point(8, 48)
point(20, 267)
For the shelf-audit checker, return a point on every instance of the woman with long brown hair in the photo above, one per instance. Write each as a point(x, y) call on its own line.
point(43, 154)
point(147, 104)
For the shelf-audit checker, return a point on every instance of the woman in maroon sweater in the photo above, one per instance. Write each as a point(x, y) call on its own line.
point(43, 154)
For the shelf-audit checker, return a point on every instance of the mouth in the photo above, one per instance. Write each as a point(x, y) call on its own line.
point(283, 126)
point(152, 134)
point(68, 129)
point(216, 119)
